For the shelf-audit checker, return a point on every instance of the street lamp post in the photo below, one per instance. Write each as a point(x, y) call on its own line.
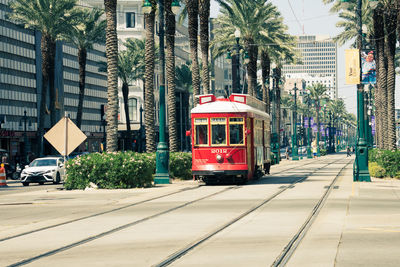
point(309, 155)
point(360, 169)
point(141, 139)
point(26, 141)
point(275, 134)
point(236, 63)
point(295, 155)
point(162, 153)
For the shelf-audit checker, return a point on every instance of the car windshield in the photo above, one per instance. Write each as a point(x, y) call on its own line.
point(43, 162)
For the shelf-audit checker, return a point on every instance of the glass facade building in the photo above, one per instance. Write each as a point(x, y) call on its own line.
point(21, 85)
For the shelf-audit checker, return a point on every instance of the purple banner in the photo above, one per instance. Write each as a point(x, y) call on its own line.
point(373, 125)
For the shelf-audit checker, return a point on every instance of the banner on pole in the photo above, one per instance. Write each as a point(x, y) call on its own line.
point(352, 66)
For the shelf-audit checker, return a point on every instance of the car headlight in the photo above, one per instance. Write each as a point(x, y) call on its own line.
point(50, 171)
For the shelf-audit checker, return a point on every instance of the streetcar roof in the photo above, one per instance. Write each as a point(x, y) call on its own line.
point(224, 106)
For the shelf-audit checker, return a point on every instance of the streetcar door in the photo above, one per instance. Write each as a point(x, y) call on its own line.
point(250, 146)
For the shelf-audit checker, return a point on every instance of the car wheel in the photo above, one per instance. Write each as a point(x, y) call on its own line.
point(58, 179)
point(25, 184)
point(41, 183)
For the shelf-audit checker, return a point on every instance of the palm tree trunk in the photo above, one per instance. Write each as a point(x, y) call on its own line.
point(193, 12)
point(381, 77)
point(252, 69)
point(390, 24)
point(149, 112)
point(112, 74)
point(82, 55)
point(204, 12)
point(125, 94)
point(265, 69)
point(48, 55)
point(170, 72)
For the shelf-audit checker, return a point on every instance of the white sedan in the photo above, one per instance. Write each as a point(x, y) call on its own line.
point(41, 170)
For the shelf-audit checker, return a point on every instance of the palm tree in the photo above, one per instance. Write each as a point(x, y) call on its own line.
point(247, 16)
point(204, 14)
point(385, 18)
point(191, 11)
point(149, 110)
point(381, 86)
point(87, 30)
point(112, 74)
point(390, 49)
point(317, 93)
point(170, 71)
point(40, 15)
point(130, 68)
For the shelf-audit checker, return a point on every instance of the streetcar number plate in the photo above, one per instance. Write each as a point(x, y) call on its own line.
point(219, 151)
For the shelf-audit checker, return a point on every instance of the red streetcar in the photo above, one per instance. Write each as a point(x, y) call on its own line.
point(230, 139)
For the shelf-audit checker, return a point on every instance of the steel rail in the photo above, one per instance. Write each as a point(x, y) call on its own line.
point(180, 253)
point(111, 231)
point(104, 212)
point(291, 247)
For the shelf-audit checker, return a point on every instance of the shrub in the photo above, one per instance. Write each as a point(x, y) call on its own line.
point(375, 170)
point(180, 165)
point(323, 152)
point(110, 170)
point(388, 160)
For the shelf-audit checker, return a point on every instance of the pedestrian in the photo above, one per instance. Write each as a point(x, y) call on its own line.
point(287, 153)
point(314, 147)
point(348, 152)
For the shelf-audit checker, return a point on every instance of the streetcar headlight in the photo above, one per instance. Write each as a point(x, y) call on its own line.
point(219, 157)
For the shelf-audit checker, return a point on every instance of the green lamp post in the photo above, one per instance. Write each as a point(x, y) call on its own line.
point(308, 99)
point(162, 153)
point(360, 168)
point(295, 148)
point(275, 134)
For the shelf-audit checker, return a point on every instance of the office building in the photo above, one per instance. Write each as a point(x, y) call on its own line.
point(318, 62)
point(21, 85)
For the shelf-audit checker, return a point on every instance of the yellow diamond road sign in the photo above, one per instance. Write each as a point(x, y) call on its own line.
point(65, 134)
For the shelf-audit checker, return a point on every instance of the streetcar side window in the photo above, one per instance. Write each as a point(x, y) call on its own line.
point(236, 127)
point(201, 131)
point(218, 131)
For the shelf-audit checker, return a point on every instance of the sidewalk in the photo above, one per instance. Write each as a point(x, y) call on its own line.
point(358, 226)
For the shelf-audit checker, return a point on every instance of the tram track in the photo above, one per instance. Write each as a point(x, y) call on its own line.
point(133, 223)
point(180, 253)
point(114, 210)
point(291, 247)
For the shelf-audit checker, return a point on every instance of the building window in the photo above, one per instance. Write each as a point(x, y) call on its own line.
point(132, 104)
point(130, 19)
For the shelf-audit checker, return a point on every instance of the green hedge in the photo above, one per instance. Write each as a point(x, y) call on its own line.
point(375, 170)
point(388, 160)
point(180, 165)
point(122, 169)
point(323, 152)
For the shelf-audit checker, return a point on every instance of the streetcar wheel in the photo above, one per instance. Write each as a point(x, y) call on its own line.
point(25, 184)
point(41, 183)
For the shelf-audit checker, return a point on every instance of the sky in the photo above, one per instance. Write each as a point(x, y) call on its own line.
point(314, 18)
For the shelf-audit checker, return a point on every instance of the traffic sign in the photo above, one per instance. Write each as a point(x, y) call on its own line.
point(65, 136)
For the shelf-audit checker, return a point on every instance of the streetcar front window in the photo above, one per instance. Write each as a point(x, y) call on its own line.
point(201, 129)
point(236, 131)
point(218, 131)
